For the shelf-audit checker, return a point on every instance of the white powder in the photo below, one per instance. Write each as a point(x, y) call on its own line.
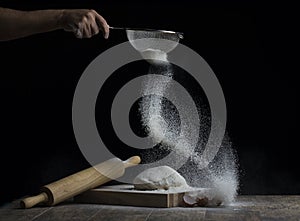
point(221, 175)
point(155, 55)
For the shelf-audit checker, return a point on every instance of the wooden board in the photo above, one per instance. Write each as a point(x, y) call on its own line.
point(125, 195)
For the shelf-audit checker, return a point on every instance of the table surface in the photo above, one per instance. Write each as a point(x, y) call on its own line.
point(246, 207)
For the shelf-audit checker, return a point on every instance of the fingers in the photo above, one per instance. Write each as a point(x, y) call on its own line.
point(78, 33)
point(87, 23)
point(102, 24)
point(94, 28)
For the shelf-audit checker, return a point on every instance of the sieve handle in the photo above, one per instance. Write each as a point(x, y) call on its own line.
point(179, 34)
point(117, 28)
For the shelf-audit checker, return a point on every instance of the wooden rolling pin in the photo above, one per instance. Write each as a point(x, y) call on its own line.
point(77, 183)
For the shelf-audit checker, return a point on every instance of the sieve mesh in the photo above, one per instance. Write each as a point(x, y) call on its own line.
point(151, 40)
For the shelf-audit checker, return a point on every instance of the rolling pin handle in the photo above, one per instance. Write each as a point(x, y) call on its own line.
point(33, 200)
point(132, 161)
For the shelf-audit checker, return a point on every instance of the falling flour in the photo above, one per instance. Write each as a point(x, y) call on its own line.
point(220, 177)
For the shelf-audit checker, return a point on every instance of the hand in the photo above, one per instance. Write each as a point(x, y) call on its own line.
point(84, 23)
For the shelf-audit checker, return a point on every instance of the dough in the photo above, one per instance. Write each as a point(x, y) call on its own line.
point(162, 177)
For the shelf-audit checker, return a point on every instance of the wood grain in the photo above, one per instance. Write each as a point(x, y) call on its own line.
point(248, 208)
point(125, 195)
point(117, 213)
point(77, 183)
point(70, 213)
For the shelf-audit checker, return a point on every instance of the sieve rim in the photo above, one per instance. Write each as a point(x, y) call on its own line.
point(179, 34)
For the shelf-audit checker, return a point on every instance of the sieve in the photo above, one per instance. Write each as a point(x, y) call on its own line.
point(151, 38)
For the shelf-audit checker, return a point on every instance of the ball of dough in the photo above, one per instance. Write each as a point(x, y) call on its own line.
point(162, 177)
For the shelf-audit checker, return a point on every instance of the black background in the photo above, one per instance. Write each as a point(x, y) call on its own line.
point(248, 44)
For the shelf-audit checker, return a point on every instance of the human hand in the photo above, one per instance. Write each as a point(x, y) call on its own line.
point(84, 23)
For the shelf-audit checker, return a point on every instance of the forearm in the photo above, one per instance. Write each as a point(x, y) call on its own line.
point(15, 24)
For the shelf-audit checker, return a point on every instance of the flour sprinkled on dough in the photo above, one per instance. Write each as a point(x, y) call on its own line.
point(163, 126)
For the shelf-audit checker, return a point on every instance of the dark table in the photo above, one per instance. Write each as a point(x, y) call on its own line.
point(246, 207)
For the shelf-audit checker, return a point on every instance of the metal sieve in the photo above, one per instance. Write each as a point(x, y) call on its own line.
point(151, 37)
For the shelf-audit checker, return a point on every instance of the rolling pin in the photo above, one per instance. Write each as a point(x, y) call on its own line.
point(79, 182)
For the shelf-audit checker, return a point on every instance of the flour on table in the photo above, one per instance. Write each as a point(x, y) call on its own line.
point(162, 177)
point(166, 179)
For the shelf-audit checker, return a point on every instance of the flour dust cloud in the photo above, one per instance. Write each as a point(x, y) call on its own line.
point(164, 127)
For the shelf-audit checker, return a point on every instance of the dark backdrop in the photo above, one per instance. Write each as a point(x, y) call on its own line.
point(248, 44)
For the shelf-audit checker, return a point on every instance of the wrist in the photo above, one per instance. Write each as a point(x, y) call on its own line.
point(61, 19)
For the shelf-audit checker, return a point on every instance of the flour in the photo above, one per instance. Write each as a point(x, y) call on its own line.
point(167, 180)
point(155, 55)
point(220, 177)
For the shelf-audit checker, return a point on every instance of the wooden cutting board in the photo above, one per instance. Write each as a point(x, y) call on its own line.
point(126, 195)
